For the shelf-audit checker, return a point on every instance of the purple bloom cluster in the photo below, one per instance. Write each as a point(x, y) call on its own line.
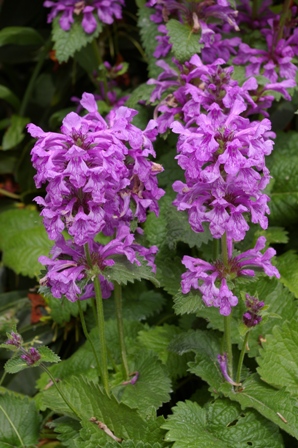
point(106, 10)
point(252, 316)
point(212, 279)
point(31, 356)
point(99, 179)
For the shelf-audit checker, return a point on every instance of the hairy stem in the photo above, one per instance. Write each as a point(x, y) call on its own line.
point(241, 357)
point(87, 336)
point(60, 391)
point(118, 304)
point(227, 319)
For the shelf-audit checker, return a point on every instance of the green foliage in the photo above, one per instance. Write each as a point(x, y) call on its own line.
point(20, 35)
point(219, 424)
point(278, 360)
point(283, 165)
point(19, 421)
point(185, 42)
point(16, 364)
point(90, 401)
point(62, 310)
point(23, 240)
point(287, 265)
point(123, 271)
point(15, 132)
point(7, 95)
point(140, 93)
point(67, 43)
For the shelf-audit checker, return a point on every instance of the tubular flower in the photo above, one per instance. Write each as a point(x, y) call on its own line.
point(211, 279)
point(98, 173)
point(106, 10)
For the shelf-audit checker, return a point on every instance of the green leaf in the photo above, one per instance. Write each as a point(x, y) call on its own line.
point(66, 43)
point(67, 430)
point(283, 165)
point(19, 421)
point(123, 271)
point(47, 355)
point(220, 424)
point(20, 35)
point(62, 310)
point(90, 401)
point(278, 360)
point(140, 93)
point(152, 387)
point(287, 264)
point(185, 42)
point(169, 270)
point(132, 444)
point(14, 134)
point(148, 31)
point(157, 339)
point(14, 365)
point(7, 95)
point(273, 235)
point(23, 240)
point(276, 405)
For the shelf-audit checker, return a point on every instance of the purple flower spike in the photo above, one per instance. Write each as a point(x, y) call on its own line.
point(223, 364)
point(252, 317)
point(31, 357)
point(15, 339)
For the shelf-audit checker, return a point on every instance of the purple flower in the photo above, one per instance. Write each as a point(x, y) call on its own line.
point(97, 172)
point(252, 317)
point(107, 11)
point(31, 356)
point(223, 364)
point(15, 339)
point(212, 279)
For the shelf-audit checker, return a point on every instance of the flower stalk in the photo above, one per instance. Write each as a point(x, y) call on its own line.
point(241, 357)
point(119, 316)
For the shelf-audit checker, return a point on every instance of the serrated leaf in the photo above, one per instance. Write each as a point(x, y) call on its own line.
point(185, 42)
point(157, 339)
point(15, 132)
point(148, 31)
point(132, 444)
point(20, 35)
point(23, 240)
point(152, 387)
point(47, 355)
point(276, 405)
point(66, 43)
point(273, 235)
point(7, 95)
point(19, 421)
point(287, 264)
point(67, 430)
point(123, 271)
point(62, 310)
point(278, 360)
point(140, 93)
point(283, 165)
point(90, 401)
point(220, 424)
point(187, 303)
point(169, 270)
point(14, 365)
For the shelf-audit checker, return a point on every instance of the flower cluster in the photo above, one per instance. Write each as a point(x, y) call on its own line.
point(99, 179)
point(106, 10)
point(252, 316)
point(212, 279)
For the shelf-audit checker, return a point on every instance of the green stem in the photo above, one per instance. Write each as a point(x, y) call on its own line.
point(283, 19)
point(241, 357)
point(60, 391)
point(227, 319)
point(9, 194)
point(31, 84)
point(87, 336)
point(13, 426)
point(3, 377)
point(119, 316)
point(102, 339)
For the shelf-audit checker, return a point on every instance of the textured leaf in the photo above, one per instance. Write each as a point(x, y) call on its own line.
point(15, 132)
point(185, 42)
point(14, 365)
point(23, 415)
point(283, 165)
point(169, 270)
point(148, 30)
point(158, 339)
point(20, 35)
point(66, 43)
point(131, 444)
point(23, 240)
point(287, 264)
point(140, 93)
point(278, 359)
point(67, 429)
point(90, 401)
point(47, 355)
point(152, 387)
point(220, 424)
point(276, 405)
point(123, 272)
point(62, 310)
point(7, 95)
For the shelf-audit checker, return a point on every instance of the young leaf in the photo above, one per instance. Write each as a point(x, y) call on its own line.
point(47, 355)
point(278, 358)
point(15, 132)
point(19, 421)
point(221, 424)
point(185, 42)
point(66, 43)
